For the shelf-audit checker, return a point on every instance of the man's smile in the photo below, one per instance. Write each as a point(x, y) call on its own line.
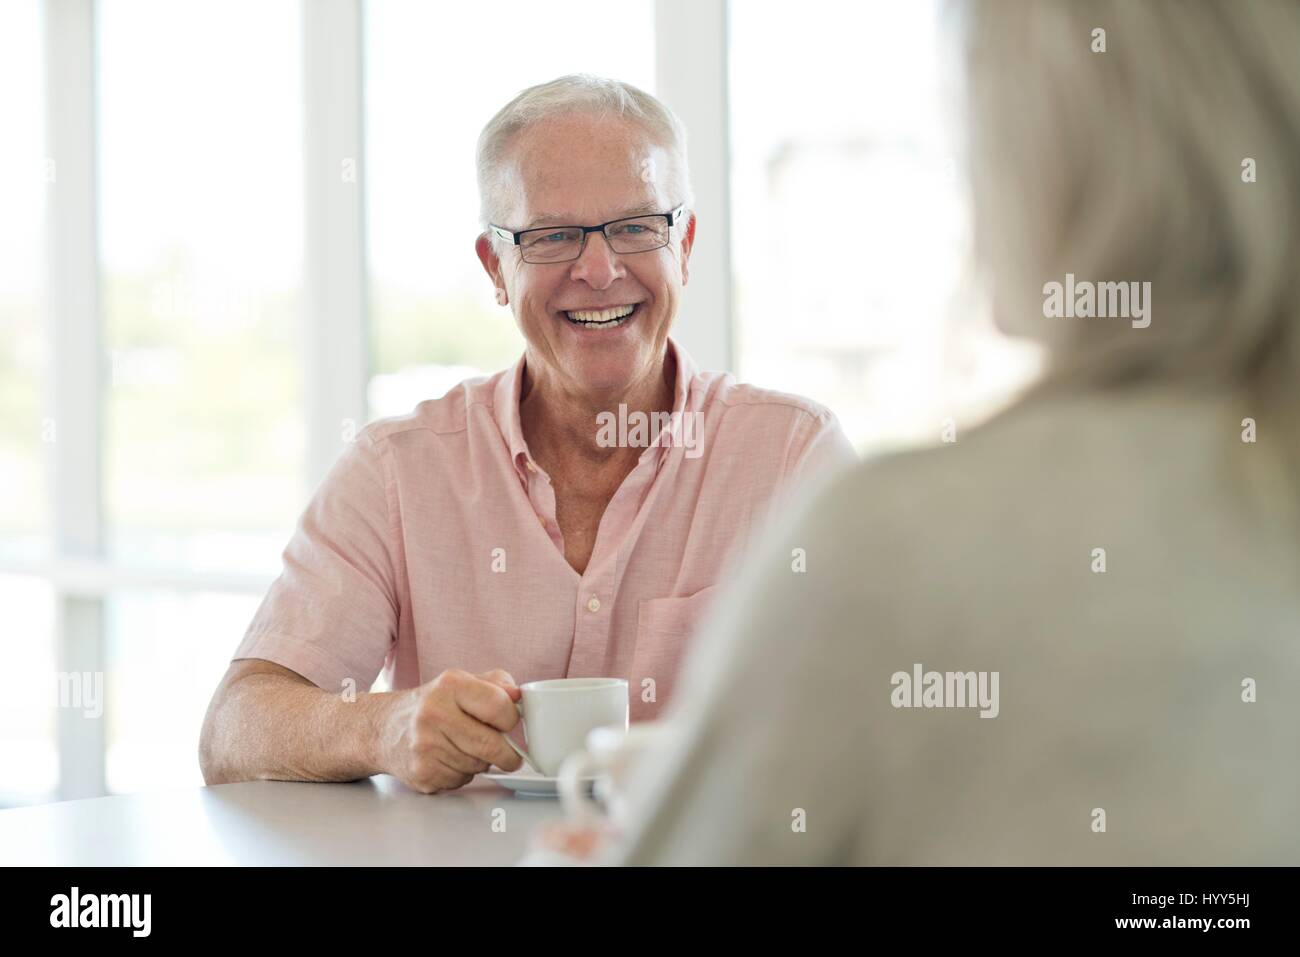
point(610, 317)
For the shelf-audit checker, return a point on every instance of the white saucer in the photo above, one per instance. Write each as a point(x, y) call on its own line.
point(529, 784)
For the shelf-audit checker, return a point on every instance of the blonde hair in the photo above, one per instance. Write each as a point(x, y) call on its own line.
point(583, 94)
point(1127, 165)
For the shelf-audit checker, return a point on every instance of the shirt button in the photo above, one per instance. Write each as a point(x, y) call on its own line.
point(530, 466)
point(593, 604)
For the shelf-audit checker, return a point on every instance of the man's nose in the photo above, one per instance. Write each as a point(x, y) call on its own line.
point(598, 266)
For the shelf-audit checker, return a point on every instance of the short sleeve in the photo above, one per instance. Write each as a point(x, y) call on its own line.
point(332, 613)
point(822, 453)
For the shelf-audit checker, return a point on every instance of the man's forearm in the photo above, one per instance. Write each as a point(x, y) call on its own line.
point(266, 727)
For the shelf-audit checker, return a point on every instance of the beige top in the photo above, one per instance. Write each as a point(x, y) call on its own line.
point(1119, 691)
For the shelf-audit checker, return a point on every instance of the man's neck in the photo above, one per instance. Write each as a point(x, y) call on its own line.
point(562, 425)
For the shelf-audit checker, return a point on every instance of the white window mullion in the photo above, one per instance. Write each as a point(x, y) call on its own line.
point(334, 267)
point(75, 389)
point(691, 77)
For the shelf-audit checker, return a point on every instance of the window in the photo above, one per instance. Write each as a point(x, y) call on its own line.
point(201, 248)
point(435, 74)
point(25, 174)
point(167, 651)
point(30, 769)
point(849, 223)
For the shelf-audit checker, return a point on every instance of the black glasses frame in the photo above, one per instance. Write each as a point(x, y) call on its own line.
point(514, 238)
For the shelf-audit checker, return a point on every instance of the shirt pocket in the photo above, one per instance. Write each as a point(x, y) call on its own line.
point(663, 628)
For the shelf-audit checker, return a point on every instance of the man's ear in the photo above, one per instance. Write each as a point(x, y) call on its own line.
point(688, 241)
point(487, 255)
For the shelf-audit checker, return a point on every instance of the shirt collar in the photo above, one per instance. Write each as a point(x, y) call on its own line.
point(505, 407)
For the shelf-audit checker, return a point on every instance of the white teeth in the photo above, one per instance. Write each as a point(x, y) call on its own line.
point(601, 315)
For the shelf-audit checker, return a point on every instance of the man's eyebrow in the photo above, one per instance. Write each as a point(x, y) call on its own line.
point(560, 219)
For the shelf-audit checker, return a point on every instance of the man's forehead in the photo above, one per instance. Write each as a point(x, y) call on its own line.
point(587, 194)
point(586, 171)
point(560, 218)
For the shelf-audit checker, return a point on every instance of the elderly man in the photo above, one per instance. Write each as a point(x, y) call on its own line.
point(528, 525)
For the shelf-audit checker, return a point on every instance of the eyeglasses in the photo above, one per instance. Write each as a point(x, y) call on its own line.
point(558, 244)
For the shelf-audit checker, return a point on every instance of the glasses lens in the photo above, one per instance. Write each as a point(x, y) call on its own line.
point(637, 235)
point(550, 245)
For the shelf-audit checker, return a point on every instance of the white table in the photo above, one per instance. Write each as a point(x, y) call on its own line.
point(376, 821)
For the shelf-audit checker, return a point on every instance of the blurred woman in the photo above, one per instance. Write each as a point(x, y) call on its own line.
point(1115, 562)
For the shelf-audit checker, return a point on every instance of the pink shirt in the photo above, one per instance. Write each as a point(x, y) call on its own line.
point(432, 542)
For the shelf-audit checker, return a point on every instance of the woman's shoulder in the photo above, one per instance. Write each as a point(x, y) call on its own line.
point(1040, 469)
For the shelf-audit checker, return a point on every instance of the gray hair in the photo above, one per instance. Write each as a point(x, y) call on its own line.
point(1128, 165)
point(580, 94)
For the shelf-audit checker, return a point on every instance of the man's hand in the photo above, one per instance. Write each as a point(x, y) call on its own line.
point(439, 735)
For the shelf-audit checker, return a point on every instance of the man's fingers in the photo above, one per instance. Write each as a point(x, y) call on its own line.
point(482, 741)
point(503, 678)
point(453, 757)
point(512, 762)
point(451, 783)
point(487, 702)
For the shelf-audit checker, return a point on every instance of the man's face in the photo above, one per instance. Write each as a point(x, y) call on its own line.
point(581, 170)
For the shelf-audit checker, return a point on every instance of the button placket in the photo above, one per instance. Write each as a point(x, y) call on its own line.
point(591, 649)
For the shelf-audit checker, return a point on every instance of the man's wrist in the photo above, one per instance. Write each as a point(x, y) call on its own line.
point(376, 707)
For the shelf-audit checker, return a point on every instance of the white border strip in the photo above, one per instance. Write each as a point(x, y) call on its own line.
point(691, 77)
point(89, 579)
point(334, 300)
point(75, 352)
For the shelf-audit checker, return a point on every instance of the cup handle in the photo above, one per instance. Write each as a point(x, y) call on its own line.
point(516, 748)
point(573, 791)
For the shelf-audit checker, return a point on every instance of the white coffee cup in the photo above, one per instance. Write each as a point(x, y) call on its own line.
point(609, 756)
point(558, 713)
